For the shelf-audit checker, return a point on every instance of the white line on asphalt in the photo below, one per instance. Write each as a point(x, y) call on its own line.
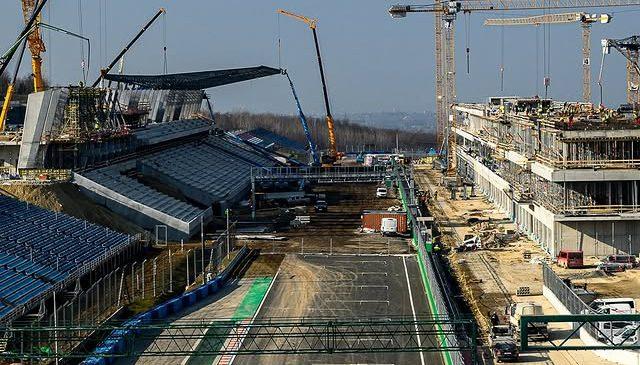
point(413, 309)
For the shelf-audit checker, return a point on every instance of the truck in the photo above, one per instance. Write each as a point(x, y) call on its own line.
point(389, 226)
point(534, 330)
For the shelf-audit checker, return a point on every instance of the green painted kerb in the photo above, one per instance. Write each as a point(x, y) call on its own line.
point(252, 299)
point(427, 287)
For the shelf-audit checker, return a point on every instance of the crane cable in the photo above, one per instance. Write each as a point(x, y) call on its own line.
point(467, 34)
point(164, 41)
point(279, 43)
point(81, 32)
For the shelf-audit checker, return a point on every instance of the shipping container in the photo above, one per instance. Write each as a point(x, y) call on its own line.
point(372, 219)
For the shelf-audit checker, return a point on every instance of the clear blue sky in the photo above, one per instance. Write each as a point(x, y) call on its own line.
point(373, 63)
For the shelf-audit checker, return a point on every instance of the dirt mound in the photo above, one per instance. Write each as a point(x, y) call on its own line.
point(68, 199)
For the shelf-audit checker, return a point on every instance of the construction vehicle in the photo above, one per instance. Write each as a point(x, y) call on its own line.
point(586, 20)
point(332, 155)
point(630, 48)
point(534, 330)
point(445, 15)
point(305, 125)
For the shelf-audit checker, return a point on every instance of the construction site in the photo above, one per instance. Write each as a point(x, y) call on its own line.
point(134, 229)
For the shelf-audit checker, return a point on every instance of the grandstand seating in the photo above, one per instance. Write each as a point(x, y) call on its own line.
point(111, 178)
point(267, 139)
point(157, 133)
point(41, 248)
point(212, 171)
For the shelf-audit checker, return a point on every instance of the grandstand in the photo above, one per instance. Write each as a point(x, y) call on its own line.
point(42, 251)
point(199, 177)
point(269, 140)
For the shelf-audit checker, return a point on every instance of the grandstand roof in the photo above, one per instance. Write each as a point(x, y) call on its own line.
point(195, 80)
point(268, 139)
point(41, 249)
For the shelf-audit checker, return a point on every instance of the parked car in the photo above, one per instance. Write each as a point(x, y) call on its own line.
point(618, 263)
point(381, 193)
point(505, 350)
point(571, 259)
point(320, 206)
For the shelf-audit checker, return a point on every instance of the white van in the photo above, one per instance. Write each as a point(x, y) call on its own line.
point(389, 226)
point(381, 193)
point(614, 306)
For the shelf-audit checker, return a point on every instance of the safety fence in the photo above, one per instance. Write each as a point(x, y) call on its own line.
point(164, 275)
point(439, 292)
point(569, 299)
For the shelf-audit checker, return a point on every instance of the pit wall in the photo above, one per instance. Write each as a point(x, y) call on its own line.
point(624, 357)
point(116, 342)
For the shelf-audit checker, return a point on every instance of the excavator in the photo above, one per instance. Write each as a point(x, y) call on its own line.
point(36, 46)
point(332, 156)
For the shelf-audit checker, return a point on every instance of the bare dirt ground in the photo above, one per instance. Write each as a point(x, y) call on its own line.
point(489, 278)
point(68, 199)
point(338, 229)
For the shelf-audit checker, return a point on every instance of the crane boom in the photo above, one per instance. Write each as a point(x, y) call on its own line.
point(303, 121)
point(564, 18)
point(128, 46)
point(312, 23)
point(445, 13)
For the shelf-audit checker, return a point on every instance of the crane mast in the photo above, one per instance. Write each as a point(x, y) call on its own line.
point(36, 45)
point(445, 15)
point(630, 48)
point(312, 23)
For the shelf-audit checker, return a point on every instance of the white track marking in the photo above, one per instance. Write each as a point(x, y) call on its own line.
point(413, 309)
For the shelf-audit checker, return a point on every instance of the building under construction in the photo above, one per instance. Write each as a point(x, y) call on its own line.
point(567, 174)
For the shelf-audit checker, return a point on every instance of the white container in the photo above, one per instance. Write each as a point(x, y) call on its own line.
point(389, 226)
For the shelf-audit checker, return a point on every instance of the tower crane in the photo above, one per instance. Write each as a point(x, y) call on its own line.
point(630, 48)
point(586, 20)
point(312, 23)
point(31, 13)
point(445, 15)
point(36, 45)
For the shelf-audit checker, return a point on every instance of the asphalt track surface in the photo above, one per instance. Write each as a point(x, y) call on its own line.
point(342, 286)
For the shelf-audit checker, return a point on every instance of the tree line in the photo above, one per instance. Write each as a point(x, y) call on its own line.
point(22, 88)
point(350, 136)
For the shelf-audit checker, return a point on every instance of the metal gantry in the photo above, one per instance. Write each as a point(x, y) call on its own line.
point(630, 48)
point(262, 337)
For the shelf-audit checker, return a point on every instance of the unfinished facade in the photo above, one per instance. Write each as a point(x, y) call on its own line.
point(565, 173)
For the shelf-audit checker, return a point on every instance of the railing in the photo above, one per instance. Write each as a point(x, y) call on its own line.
point(337, 172)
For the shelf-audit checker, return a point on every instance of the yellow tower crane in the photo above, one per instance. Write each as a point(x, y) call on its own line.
point(36, 46)
point(586, 20)
point(312, 23)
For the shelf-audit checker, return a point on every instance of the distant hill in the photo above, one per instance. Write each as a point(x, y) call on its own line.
point(350, 136)
point(417, 122)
